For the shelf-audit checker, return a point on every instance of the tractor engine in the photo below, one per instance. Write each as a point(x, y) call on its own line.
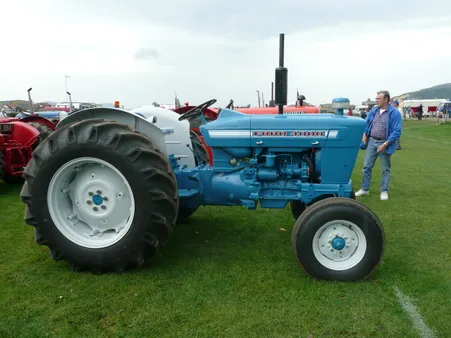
point(273, 159)
point(279, 166)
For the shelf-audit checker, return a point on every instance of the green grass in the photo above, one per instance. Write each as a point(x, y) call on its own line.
point(230, 272)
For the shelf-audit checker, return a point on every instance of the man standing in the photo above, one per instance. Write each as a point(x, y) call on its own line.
point(383, 128)
point(398, 141)
point(420, 112)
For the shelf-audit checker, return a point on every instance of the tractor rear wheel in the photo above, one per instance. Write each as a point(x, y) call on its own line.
point(338, 239)
point(100, 196)
point(44, 131)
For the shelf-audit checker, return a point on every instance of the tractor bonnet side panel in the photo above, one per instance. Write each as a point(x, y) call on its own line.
point(339, 155)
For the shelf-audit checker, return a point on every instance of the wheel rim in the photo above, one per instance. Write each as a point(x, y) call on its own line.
point(90, 202)
point(339, 245)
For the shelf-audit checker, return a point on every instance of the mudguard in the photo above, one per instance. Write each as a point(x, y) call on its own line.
point(138, 123)
point(178, 142)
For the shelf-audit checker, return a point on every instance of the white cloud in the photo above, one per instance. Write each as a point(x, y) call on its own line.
point(325, 57)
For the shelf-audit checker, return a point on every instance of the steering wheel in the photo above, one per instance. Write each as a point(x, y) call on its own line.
point(197, 110)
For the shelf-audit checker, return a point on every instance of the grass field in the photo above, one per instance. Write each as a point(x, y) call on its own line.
point(231, 272)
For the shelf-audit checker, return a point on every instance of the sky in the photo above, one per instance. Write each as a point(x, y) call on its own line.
point(141, 51)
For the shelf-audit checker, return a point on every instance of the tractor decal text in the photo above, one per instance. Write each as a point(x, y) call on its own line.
point(272, 133)
point(6, 128)
point(289, 133)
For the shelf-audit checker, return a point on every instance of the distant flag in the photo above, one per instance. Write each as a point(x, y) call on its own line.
point(177, 101)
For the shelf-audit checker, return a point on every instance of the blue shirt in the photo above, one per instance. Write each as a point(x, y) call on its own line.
point(393, 126)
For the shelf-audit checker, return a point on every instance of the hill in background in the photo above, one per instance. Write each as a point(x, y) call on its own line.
point(442, 91)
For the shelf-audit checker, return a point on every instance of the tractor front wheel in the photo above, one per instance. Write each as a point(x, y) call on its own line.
point(100, 196)
point(338, 239)
point(297, 207)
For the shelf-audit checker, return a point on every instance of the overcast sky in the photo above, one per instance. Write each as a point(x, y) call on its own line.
point(140, 51)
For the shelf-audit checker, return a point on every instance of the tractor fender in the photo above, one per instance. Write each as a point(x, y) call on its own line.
point(178, 140)
point(136, 122)
point(24, 134)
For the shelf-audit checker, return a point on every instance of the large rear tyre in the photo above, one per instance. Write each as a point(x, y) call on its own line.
point(338, 239)
point(100, 196)
point(44, 131)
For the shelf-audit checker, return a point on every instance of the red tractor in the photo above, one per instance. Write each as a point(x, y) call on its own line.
point(18, 139)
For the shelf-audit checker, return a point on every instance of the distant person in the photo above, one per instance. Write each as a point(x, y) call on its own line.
point(409, 112)
point(398, 140)
point(383, 128)
point(420, 112)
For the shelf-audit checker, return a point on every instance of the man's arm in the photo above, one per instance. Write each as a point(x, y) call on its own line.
point(396, 121)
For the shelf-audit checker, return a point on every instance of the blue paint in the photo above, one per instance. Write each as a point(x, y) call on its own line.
point(97, 199)
point(338, 243)
point(340, 101)
point(280, 158)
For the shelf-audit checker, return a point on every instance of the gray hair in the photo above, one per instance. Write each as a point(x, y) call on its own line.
point(385, 93)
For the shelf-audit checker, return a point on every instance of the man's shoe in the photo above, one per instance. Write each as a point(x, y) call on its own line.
point(384, 196)
point(361, 192)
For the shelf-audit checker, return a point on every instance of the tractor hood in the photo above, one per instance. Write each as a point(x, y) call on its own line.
point(235, 129)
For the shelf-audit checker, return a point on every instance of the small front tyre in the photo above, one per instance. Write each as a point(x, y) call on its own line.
point(298, 207)
point(338, 239)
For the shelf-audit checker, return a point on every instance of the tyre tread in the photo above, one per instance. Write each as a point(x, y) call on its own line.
point(156, 175)
point(324, 203)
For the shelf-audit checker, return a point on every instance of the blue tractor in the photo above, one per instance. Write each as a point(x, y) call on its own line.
point(103, 193)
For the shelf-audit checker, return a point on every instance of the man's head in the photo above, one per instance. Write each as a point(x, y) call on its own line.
point(395, 103)
point(382, 98)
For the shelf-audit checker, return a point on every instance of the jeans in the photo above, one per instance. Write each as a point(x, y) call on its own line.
point(370, 158)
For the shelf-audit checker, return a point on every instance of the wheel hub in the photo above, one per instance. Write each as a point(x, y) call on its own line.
point(97, 199)
point(338, 243)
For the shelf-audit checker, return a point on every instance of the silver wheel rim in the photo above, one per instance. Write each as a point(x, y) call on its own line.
point(339, 245)
point(90, 202)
